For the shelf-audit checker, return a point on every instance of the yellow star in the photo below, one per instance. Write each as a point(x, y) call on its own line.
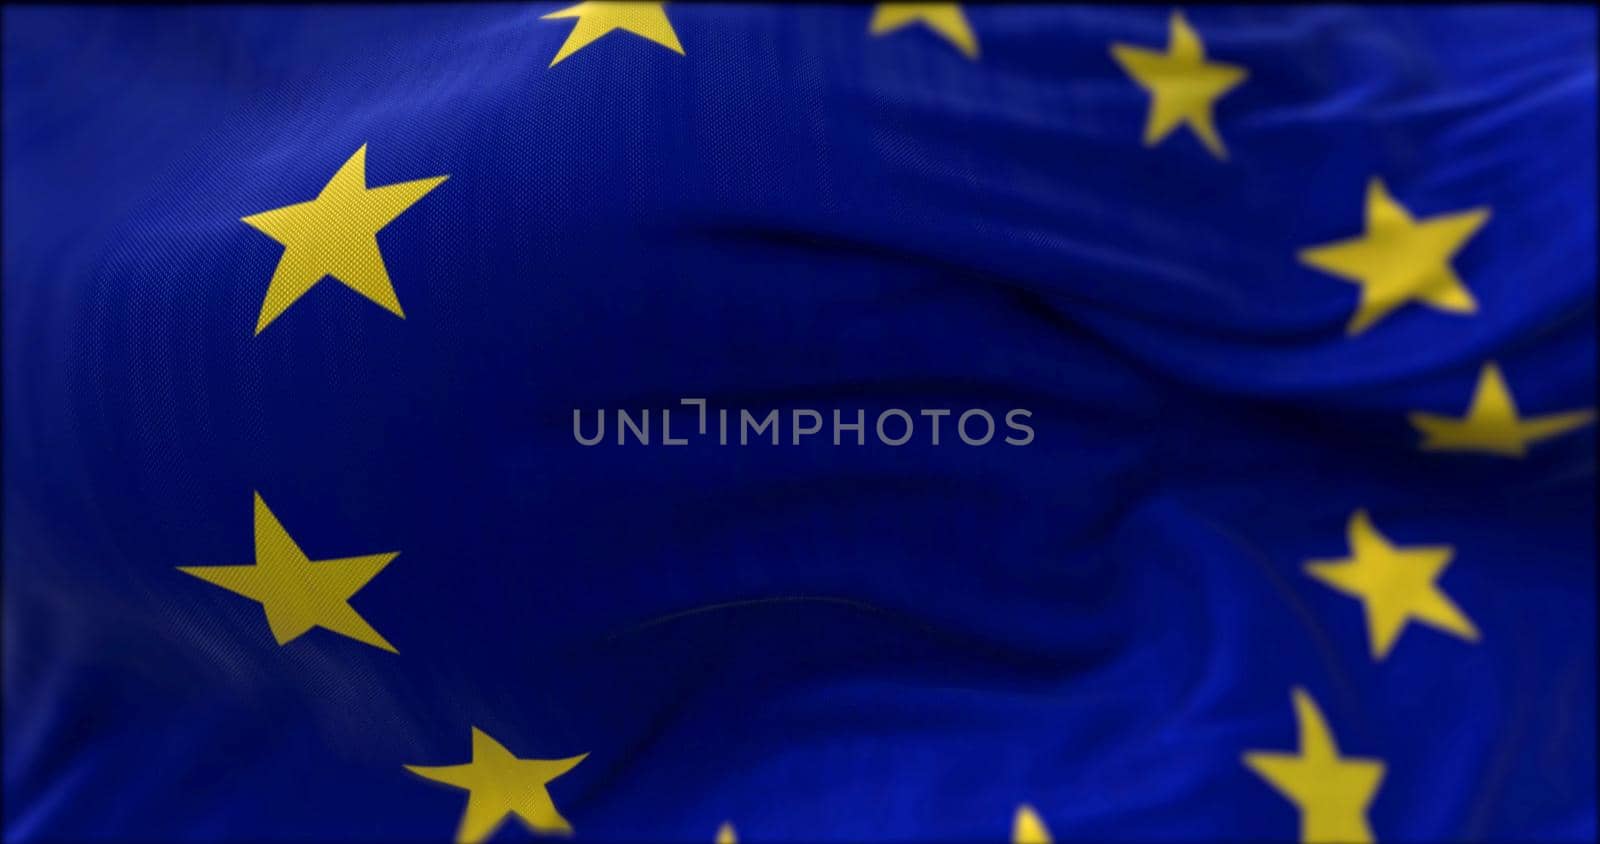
point(646, 20)
point(946, 19)
point(1396, 585)
point(1028, 828)
point(1332, 792)
point(296, 592)
point(726, 834)
point(1400, 259)
point(1491, 424)
point(499, 784)
point(336, 234)
point(1183, 86)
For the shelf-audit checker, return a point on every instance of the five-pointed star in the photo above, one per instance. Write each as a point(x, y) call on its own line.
point(1332, 792)
point(336, 234)
point(1492, 425)
point(1396, 585)
point(946, 19)
point(596, 18)
point(296, 592)
point(1183, 86)
point(1400, 259)
point(499, 784)
point(1028, 828)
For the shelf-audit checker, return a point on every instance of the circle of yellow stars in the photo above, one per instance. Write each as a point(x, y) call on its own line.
point(1397, 260)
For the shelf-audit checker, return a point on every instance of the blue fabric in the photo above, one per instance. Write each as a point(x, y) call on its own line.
point(813, 642)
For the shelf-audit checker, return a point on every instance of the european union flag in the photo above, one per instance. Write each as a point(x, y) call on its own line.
point(902, 421)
